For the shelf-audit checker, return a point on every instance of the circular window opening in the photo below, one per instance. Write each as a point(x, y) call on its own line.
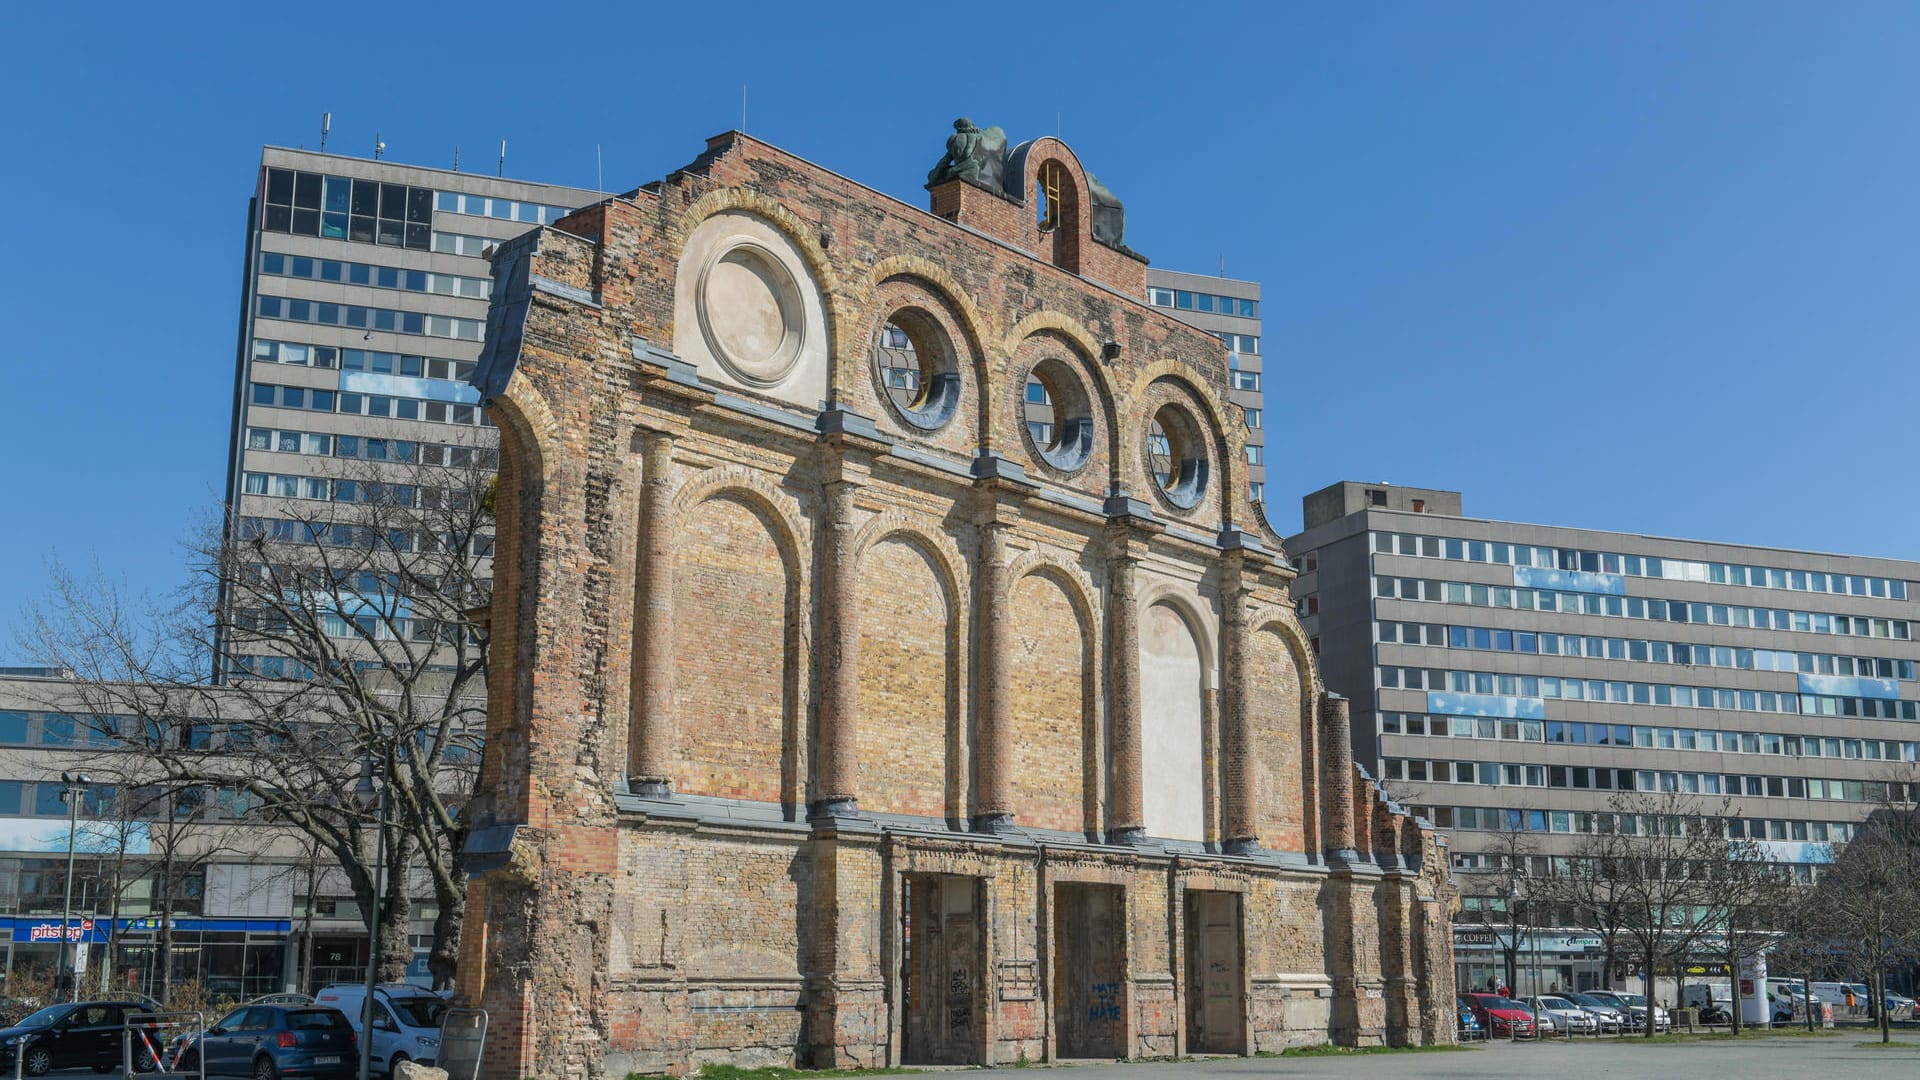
point(750, 314)
point(1058, 415)
point(913, 364)
point(1176, 456)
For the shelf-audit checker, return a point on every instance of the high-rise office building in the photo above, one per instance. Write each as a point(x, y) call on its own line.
point(1511, 678)
point(362, 313)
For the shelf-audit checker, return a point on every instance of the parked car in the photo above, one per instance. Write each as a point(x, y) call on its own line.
point(86, 1034)
point(406, 1020)
point(1610, 1016)
point(272, 1041)
point(1504, 1018)
point(281, 999)
point(1634, 1008)
point(1558, 1016)
point(1468, 1024)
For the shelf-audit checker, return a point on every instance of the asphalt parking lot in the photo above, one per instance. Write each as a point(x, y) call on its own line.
point(1774, 1056)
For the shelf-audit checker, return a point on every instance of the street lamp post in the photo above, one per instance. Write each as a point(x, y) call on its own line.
point(367, 793)
point(73, 785)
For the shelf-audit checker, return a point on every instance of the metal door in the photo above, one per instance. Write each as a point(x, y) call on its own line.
point(1088, 942)
point(1214, 996)
point(943, 981)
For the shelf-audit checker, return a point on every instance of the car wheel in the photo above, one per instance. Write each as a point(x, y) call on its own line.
point(189, 1062)
point(144, 1062)
point(103, 1069)
point(263, 1069)
point(39, 1061)
point(393, 1067)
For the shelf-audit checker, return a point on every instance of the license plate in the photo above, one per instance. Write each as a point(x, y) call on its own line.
point(327, 1059)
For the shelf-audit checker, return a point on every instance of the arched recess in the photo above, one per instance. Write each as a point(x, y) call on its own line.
point(1281, 691)
point(524, 421)
point(1175, 687)
point(1055, 698)
point(1045, 339)
point(911, 738)
point(737, 672)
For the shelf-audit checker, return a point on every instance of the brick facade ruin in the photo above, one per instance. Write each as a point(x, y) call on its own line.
point(833, 725)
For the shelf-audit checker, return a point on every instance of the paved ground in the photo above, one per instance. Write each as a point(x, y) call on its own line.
point(1837, 1057)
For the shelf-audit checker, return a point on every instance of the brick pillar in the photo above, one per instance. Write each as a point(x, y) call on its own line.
point(839, 644)
point(1126, 822)
point(993, 697)
point(1337, 777)
point(1366, 799)
point(650, 712)
point(1242, 811)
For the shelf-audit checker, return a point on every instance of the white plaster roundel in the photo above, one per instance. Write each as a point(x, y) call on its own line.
point(750, 312)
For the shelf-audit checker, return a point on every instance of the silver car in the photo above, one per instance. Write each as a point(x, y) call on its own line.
point(1563, 1017)
point(1610, 1017)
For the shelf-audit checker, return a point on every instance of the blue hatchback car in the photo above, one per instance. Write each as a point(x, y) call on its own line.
point(269, 1042)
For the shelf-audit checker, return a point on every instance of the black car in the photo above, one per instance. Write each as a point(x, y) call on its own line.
point(270, 1042)
point(85, 1034)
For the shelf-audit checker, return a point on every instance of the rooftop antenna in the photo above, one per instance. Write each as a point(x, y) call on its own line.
point(456, 157)
point(326, 128)
point(743, 108)
point(599, 173)
point(1223, 266)
point(379, 146)
point(503, 157)
point(1056, 124)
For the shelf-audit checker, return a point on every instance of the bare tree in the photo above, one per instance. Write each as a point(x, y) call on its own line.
point(1868, 897)
point(313, 653)
point(1754, 898)
point(1588, 886)
point(1504, 878)
point(1669, 843)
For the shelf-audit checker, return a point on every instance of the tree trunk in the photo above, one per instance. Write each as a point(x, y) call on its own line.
point(1733, 985)
point(1806, 995)
point(445, 957)
point(396, 909)
point(1646, 979)
point(1879, 1003)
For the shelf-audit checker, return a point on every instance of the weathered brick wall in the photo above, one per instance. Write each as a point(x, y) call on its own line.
point(761, 665)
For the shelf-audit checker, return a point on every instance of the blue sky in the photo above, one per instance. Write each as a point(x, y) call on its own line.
point(1647, 267)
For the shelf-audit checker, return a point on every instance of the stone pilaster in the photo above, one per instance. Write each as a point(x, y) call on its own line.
point(1126, 821)
point(993, 696)
point(1242, 831)
point(834, 792)
point(1337, 778)
point(650, 711)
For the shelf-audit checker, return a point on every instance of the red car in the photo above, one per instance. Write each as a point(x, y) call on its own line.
point(1503, 1018)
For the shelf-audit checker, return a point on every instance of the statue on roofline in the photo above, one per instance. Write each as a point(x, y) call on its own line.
point(976, 155)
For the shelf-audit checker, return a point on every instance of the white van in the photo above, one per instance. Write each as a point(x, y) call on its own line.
point(406, 1020)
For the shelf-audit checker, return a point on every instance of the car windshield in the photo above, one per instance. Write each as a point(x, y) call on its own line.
point(44, 1017)
point(1500, 1003)
point(1589, 999)
point(1639, 1000)
point(1555, 1003)
point(421, 1012)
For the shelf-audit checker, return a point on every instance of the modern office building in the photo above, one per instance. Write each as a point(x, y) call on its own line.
point(362, 312)
point(1513, 678)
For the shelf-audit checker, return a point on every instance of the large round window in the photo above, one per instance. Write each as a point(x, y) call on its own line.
point(914, 366)
point(1058, 415)
point(1177, 456)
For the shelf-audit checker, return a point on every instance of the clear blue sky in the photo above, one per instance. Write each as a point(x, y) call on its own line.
point(1649, 267)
